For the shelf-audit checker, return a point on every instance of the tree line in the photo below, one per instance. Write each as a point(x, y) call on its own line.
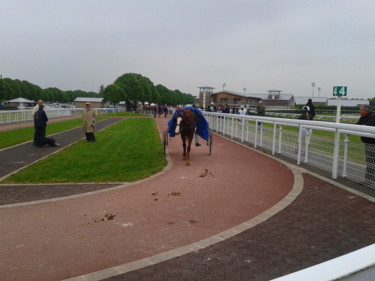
point(12, 89)
point(133, 88)
point(130, 87)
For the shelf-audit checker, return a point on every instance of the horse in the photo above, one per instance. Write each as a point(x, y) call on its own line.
point(186, 122)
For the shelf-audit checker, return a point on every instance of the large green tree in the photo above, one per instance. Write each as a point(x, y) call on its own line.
point(141, 89)
point(137, 88)
point(114, 93)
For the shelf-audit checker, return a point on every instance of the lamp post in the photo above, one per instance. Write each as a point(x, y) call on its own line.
point(313, 87)
point(319, 91)
point(223, 86)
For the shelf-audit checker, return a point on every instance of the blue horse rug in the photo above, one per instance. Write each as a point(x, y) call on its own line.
point(202, 124)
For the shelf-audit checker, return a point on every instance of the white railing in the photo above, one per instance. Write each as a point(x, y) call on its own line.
point(345, 118)
point(358, 265)
point(15, 116)
point(339, 150)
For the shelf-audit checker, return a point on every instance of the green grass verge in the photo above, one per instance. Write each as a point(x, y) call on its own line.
point(125, 114)
point(17, 136)
point(127, 151)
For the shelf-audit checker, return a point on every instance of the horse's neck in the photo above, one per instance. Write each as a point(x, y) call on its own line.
point(188, 117)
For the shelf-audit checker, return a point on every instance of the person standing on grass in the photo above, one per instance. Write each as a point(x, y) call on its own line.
point(368, 119)
point(36, 107)
point(40, 124)
point(88, 117)
point(35, 110)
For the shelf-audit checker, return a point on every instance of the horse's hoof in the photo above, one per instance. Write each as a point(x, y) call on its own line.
point(187, 163)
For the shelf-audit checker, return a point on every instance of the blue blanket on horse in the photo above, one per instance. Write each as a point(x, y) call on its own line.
point(202, 124)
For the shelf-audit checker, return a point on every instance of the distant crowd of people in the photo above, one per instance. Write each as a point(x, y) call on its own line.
point(158, 110)
point(243, 110)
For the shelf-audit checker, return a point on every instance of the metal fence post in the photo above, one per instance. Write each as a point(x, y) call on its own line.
point(247, 131)
point(274, 139)
point(299, 144)
point(232, 129)
point(242, 129)
point(256, 134)
point(280, 138)
point(345, 165)
point(307, 145)
point(336, 154)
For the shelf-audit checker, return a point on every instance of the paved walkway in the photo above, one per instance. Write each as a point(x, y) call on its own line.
point(235, 215)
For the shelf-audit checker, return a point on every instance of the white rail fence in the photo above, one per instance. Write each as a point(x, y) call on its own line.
point(345, 118)
point(15, 116)
point(332, 147)
point(356, 266)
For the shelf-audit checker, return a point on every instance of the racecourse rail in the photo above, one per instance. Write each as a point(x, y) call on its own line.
point(329, 146)
point(23, 115)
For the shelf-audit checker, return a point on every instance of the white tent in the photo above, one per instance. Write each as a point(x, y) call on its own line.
point(21, 102)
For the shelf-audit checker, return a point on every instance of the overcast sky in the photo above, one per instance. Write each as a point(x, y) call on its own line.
point(254, 44)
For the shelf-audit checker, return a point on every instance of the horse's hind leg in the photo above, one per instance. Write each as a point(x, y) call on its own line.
point(184, 148)
point(187, 158)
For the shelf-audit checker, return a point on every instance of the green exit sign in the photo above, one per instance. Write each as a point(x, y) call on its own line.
point(340, 91)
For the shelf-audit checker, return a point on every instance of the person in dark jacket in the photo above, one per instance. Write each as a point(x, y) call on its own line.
point(40, 124)
point(368, 119)
point(165, 110)
point(312, 109)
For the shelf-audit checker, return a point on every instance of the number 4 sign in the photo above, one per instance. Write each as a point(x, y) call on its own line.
point(340, 91)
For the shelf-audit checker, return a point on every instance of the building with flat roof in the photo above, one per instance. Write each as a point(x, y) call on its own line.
point(234, 99)
point(204, 97)
point(274, 99)
point(80, 102)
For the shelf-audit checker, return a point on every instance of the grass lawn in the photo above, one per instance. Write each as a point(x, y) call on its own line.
point(13, 137)
point(125, 114)
point(17, 136)
point(127, 151)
